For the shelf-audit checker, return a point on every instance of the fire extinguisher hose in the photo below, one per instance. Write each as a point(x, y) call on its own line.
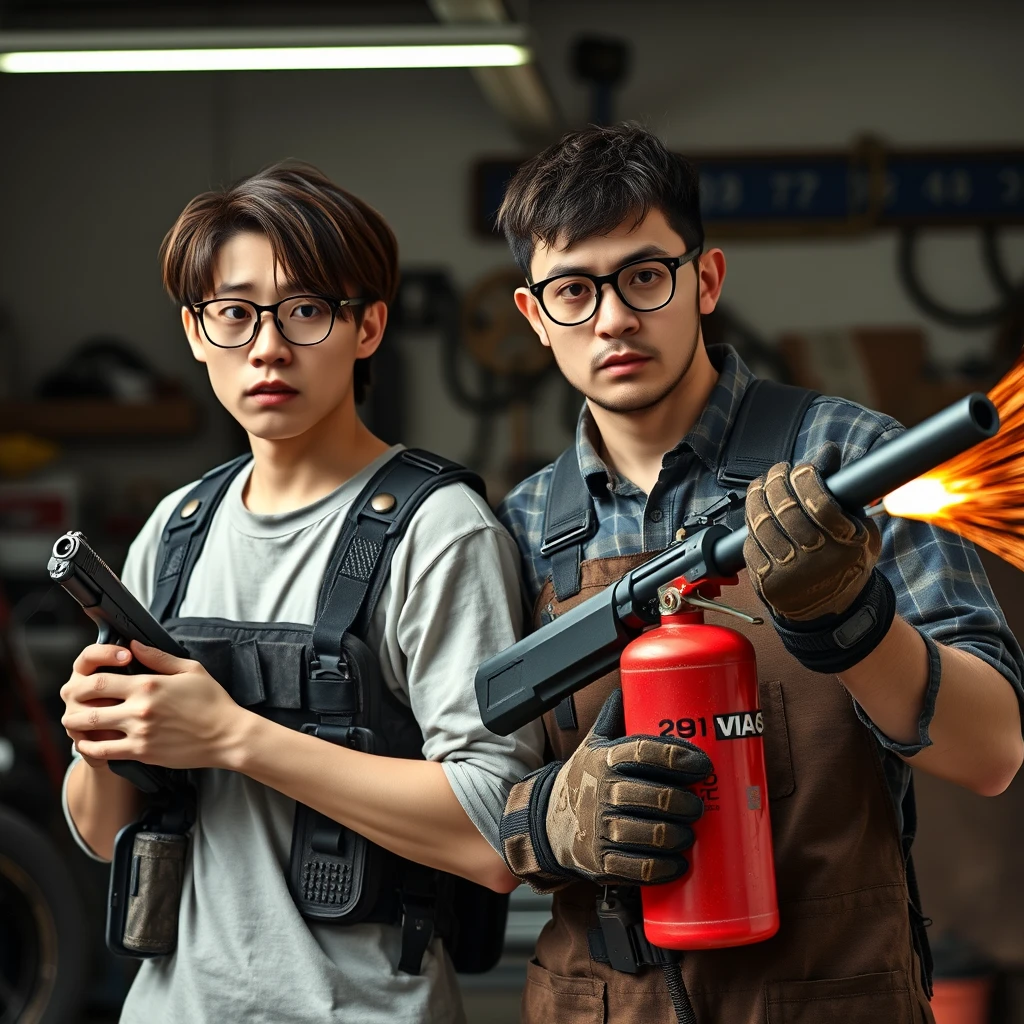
point(677, 991)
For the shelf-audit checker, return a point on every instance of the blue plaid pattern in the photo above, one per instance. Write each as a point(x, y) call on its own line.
point(941, 587)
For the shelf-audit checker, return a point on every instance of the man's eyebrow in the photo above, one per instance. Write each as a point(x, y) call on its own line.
point(286, 287)
point(638, 254)
point(243, 286)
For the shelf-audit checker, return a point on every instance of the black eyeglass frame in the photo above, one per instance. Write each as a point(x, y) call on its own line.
point(673, 263)
point(199, 307)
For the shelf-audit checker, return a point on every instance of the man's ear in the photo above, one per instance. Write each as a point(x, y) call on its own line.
point(711, 272)
point(530, 308)
point(371, 330)
point(190, 322)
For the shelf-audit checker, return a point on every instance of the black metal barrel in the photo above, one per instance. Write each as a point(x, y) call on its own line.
point(917, 451)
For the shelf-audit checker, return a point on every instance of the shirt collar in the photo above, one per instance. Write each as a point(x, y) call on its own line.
point(706, 439)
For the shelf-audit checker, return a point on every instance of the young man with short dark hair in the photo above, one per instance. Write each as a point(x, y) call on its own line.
point(284, 282)
point(606, 227)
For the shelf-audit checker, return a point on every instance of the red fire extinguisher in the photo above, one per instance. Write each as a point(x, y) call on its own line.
point(698, 682)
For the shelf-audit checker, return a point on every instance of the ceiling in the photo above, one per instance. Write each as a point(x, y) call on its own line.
point(141, 14)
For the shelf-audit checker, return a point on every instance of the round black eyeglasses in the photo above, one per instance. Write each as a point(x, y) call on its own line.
point(301, 319)
point(643, 285)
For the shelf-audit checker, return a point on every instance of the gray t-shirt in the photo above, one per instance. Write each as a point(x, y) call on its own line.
point(244, 952)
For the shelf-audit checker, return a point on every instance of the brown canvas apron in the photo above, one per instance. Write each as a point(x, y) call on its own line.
point(844, 951)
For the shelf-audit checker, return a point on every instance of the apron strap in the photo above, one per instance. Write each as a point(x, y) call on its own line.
point(569, 522)
point(765, 430)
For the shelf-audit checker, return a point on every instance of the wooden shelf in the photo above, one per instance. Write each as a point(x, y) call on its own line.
point(70, 418)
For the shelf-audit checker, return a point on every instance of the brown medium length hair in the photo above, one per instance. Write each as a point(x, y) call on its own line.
point(592, 180)
point(328, 240)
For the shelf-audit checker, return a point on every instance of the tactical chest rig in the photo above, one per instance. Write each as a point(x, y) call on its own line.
point(324, 680)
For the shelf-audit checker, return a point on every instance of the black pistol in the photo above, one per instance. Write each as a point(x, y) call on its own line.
point(149, 854)
point(119, 618)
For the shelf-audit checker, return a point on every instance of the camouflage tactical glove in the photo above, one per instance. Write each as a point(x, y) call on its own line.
point(617, 811)
point(813, 565)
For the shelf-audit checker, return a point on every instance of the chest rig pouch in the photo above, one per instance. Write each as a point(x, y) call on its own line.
point(324, 680)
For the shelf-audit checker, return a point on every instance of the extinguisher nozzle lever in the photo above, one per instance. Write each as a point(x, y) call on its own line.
point(671, 606)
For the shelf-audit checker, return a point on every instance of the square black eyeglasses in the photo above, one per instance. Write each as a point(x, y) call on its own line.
point(301, 319)
point(643, 285)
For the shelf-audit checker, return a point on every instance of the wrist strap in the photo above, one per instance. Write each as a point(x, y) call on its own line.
point(835, 643)
point(523, 834)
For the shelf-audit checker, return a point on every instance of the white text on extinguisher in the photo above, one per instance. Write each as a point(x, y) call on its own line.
point(739, 725)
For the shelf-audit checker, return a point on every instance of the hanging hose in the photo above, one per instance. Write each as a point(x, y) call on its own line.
point(677, 991)
point(960, 319)
point(1014, 291)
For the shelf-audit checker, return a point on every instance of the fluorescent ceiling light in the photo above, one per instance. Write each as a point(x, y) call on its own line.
point(416, 46)
point(281, 58)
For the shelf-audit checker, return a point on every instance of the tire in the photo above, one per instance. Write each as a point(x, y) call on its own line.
point(44, 941)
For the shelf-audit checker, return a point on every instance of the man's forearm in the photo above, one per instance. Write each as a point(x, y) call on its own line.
point(976, 728)
point(101, 804)
point(403, 805)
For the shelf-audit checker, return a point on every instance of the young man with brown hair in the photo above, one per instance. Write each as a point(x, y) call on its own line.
point(323, 264)
point(886, 648)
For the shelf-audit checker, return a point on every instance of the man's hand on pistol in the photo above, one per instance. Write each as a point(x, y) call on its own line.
point(175, 715)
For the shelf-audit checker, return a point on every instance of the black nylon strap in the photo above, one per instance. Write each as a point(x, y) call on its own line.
point(360, 565)
point(565, 713)
point(569, 520)
point(838, 642)
point(765, 430)
point(184, 536)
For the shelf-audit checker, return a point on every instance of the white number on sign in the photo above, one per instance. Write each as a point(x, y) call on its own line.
point(796, 190)
point(1012, 182)
point(951, 188)
point(723, 192)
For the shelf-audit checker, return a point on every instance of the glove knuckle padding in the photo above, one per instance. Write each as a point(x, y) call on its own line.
point(762, 524)
point(642, 870)
point(661, 759)
point(659, 836)
point(808, 558)
point(617, 793)
point(792, 518)
point(822, 509)
point(663, 801)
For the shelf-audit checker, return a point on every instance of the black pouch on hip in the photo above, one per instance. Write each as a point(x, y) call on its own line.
point(335, 872)
point(145, 891)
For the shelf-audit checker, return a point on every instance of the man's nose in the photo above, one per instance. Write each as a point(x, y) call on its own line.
point(269, 345)
point(614, 318)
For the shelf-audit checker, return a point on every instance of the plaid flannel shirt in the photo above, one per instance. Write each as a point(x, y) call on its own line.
point(941, 587)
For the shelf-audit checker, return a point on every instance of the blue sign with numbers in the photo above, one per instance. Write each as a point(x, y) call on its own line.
point(748, 190)
point(952, 188)
point(827, 192)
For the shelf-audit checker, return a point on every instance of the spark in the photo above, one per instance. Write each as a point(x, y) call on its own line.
point(980, 493)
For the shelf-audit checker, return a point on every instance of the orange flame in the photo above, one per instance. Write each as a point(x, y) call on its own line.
point(979, 494)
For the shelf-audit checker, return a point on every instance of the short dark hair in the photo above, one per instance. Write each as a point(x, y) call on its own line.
point(590, 181)
point(329, 240)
